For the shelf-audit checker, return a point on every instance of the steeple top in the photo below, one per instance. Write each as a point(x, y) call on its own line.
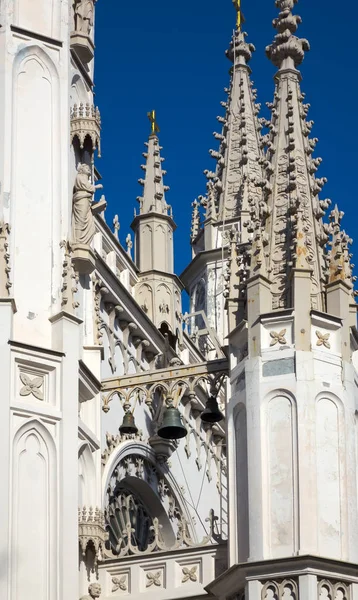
point(153, 198)
point(287, 50)
point(153, 122)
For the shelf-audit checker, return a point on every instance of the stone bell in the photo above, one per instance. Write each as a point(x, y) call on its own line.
point(172, 427)
point(128, 425)
point(211, 413)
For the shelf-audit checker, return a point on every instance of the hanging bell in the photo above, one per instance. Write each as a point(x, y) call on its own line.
point(211, 413)
point(128, 425)
point(172, 427)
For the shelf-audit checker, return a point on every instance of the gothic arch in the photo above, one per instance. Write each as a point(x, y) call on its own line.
point(86, 477)
point(34, 511)
point(130, 448)
point(279, 455)
point(241, 481)
point(331, 475)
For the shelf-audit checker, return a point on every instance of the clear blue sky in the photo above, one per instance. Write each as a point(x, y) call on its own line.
point(170, 56)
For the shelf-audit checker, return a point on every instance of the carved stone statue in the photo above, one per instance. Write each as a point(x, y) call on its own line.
point(84, 16)
point(83, 228)
point(94, 591)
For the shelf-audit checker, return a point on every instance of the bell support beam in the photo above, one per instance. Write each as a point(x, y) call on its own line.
point(214, 367)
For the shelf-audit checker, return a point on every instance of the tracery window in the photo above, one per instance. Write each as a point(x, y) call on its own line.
point(127, 516)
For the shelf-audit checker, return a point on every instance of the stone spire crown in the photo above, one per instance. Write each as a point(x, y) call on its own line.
point(153, 198)
point(297, 235)
point(239, 158)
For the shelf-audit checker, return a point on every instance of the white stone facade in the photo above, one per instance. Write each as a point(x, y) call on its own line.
point(254, 493)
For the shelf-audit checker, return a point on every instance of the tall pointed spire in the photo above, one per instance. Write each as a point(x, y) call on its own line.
point(158, 288)
point(153, 198)
point(239, 157)
point(297, 235)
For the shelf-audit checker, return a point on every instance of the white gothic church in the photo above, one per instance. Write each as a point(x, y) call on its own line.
point(147, 454)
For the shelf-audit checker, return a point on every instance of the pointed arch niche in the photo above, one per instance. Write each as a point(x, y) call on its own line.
point(280, 454)
point(34, 514)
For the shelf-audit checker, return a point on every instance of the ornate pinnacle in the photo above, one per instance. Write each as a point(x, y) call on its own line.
point(337, 265)
point(286, 47)
point(239, 48)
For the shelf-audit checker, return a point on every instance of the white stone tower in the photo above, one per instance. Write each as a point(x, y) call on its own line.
point(42, 45)
point(292, 424)
point(231, 189)
point(159, 289)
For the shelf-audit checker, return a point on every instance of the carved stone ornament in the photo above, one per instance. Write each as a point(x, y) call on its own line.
point(323, 339)
point(83, 25)
point(83, 228)
point(286, 589)
point(86, 122)
point(154, 579)
point(92, 531)
point(332, 590)
point(5, 268)
point(94, 591)
point(119, 583)
point(32, 386)
point(69, 281)
point(189, 574)
point(278, 337)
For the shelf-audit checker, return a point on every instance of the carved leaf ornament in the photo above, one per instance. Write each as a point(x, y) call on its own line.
point(323, 339)
point(154, 579)
point(119, 583)
point(189, 574)
point(31, 386)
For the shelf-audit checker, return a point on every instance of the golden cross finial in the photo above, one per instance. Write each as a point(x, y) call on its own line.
point(153, 122)
point(240, 17)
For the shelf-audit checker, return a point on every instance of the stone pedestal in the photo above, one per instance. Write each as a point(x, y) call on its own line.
point(83, 46)
point(83, 258)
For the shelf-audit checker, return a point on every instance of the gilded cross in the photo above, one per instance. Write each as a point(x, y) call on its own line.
point(153, 122)
point(240, 16)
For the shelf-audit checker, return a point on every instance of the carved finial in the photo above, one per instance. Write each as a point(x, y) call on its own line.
point(116, 226)
point(337, 265)
point(287, 50)
point(195, 221)
point(129, 245)
point(239, 50)
point(153, 122)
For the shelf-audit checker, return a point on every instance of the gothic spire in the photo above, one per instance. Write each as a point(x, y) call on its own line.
point(296, 233)
point(153, 198)
point(239, 157)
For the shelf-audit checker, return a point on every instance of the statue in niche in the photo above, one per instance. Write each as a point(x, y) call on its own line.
point(83, 228)
point(84, 16)
point(94, 591)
